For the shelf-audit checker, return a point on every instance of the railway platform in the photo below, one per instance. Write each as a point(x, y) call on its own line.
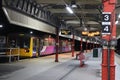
point(44, 68)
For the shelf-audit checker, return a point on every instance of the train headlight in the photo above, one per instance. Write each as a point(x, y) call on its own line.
point(26, 50)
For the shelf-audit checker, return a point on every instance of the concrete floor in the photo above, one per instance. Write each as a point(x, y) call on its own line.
point(44, 68)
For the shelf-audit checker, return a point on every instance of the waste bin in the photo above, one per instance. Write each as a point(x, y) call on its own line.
point(95, 52)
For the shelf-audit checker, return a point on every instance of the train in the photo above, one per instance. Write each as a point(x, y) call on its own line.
point(35, 46)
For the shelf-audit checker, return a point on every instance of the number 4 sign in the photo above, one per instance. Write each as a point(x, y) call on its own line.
point(105, 29)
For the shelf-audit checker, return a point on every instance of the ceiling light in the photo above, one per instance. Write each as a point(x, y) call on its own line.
point(31, 32)
point(116, 22)
point(1, 26)
point(119, 16)
point(73, 4)
point(69, 9)
point(85, 29)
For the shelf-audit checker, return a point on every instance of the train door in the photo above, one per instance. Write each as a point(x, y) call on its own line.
point(35, 48)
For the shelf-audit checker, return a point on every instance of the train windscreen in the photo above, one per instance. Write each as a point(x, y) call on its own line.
point(19, 41)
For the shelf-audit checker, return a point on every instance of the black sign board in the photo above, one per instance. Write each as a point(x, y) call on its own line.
point(106, 22)
point(106, 16)
point(105, 29)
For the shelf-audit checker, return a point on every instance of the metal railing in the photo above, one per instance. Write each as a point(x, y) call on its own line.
point(10, 52)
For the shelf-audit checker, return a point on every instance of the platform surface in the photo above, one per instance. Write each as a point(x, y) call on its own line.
point(44, 68)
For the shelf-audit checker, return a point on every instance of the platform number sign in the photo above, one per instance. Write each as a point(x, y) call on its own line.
point(105, 29)
point(106, 17)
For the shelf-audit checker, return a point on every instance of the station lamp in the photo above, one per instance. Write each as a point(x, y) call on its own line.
point(1, 26)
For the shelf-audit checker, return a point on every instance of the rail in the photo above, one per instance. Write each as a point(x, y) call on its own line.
point(9, 53)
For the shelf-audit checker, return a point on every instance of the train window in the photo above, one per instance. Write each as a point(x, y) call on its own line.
point(48, 40)
point(19, 41)
point(45, 42)
point(23, 42)
point(35, 43)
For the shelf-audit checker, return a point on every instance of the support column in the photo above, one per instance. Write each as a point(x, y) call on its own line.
point(108, 66)
point(86, 46)
point(91, 46)
point(73, 43)
point(81, 44)
point(57, 44)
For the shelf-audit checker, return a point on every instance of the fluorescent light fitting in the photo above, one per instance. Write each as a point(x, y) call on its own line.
point(69, 9)
point(74, 6)
point(116, 22)
point(119, 16)
point(85, 29)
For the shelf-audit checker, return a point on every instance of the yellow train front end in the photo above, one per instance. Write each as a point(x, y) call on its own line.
point(28, 46)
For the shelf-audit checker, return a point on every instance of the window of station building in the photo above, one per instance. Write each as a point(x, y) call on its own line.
point(33, 8)
point(42, 14)
point(36, 12)
point(39, 12)
point(9, 2)
point(14, 3)
point(45, 15)
point(48, 16)
point(25, 5)
point(29, 7)
point(20, 4)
